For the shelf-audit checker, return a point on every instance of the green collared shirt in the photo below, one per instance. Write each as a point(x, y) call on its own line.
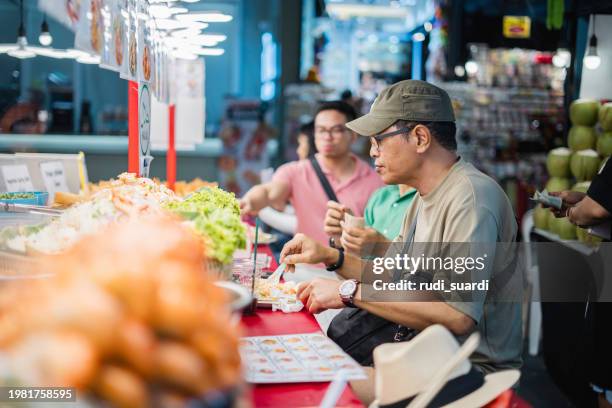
point(386, 209)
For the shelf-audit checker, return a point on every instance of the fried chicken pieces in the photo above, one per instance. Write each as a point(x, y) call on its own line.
point(130, 317)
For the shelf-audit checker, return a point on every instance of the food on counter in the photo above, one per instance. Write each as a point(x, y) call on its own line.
point(584, 165)
point(558, 162)
point(540, 217)
point(215, 215)
point(17, 196)
point(271, 291)
point(563, 228)
point(125, 197)
point(101, 329)
point(184, 188)
point(604, 143)
point(605, 116)
point(556, 184)
point(584, 112)
point(581, 138)
point(64, 199)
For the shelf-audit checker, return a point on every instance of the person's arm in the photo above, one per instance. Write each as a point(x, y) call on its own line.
point(275, 193)
point(280, 220)
point(587, 212)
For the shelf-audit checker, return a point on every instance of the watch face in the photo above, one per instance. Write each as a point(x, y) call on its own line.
point(347, 288)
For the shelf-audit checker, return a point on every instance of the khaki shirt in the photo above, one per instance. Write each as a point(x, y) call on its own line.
point(470, 207)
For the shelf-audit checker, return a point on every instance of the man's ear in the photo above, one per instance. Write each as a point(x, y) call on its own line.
point(424, 138)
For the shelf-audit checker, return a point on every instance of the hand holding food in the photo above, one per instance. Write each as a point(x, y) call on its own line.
point(333, 218)
point(302, 249)
point(320, 294)
point(355, 239)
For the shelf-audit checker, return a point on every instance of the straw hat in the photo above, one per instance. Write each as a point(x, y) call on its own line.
point(432, 370)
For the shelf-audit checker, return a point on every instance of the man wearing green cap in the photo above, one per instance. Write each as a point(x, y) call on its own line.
point(411, 126)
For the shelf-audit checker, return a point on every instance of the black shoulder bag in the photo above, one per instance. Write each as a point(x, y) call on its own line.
point(356, 331)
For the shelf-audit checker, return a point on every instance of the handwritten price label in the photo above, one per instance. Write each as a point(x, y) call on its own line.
point(17, 178)
point(54, 177)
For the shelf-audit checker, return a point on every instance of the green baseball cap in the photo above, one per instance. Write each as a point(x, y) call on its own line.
point(411, 100)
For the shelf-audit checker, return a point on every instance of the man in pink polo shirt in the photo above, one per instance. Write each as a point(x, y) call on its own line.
point(352, 179)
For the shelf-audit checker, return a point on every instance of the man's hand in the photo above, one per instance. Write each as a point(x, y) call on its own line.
point(570, 199)
point(333, 218)
point(302, 249)
point(320, 294)
point(354, 238)
point(246, 206)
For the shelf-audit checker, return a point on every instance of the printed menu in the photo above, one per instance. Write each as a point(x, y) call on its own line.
point(295, 358)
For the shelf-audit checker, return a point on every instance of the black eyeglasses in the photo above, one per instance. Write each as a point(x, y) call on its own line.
point(376, 139)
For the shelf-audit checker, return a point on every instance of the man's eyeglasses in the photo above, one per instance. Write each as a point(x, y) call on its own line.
point(376, 139)
point(335, 132)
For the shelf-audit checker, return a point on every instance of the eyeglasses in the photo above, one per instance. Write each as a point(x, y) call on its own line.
point(376, 139)
point(335, 132)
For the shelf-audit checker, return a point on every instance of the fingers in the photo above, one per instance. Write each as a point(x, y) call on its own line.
point(292, 247)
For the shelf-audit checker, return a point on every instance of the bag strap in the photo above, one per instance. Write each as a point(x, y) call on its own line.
point(324, 181)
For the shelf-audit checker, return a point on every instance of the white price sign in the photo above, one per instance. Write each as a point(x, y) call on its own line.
point(17, 178)
point(54, 177)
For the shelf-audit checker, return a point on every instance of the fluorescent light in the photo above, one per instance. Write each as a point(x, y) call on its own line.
point(187, 32)
point(184, 55)
point(163, 11)
point(418, 37)
point(215, 52)
point(88, 59)
point(471, 67)
point(344, 11)
point(211, 17)
point(21, 53)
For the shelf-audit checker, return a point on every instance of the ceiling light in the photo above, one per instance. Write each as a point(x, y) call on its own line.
point(184, 55)
point(460, 71)
point(348, 10)
point(592, 60)
point(471, 67)
point(215, 52)
point(418, 37)
point(88, 59)
point(212, 17)
point(163, 11)
point(45, 38)
point(428, 26)
point(186, 32)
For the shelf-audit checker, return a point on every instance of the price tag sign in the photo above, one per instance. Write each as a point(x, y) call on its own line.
point(54, 177)
point(17, 178)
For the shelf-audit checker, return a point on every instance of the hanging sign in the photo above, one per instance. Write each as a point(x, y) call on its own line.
point(517, 26)
point(144, 128)
point(17, 178)
point(54, 177)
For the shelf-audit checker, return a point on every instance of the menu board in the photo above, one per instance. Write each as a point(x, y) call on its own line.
point(130, 71)
point(89, 35)
point(295, 358)
point(144, 48)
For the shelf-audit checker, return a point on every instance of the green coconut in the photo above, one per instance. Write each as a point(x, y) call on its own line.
point(605, 116)
point(564, 228)
point(604, 142)
point(584, 164)
point(550, 224)
point(556, 184)
point(540, 217)
point(582, 138)
point(582, 187)
point(586, 238)
point(584, 112)
point(557, 162)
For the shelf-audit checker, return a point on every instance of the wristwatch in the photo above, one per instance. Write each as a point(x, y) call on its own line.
point(347, 291)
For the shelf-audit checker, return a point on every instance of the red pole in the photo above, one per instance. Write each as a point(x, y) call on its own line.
point(133, 164)
point(171, 155)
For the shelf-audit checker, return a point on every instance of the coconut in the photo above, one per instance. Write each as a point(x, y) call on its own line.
point(584, 164)
point(550, 224)
point(556, 184)
point(584, 237)
point(604, 142)
point(557, 162)
point(540, 217)
point(582, 187)
point(564, 228)
point(581, 138)
point(605, 116)
point(584, 112)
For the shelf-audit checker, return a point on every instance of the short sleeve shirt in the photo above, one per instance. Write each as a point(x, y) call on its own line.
point(386, 209)
point(310, 201)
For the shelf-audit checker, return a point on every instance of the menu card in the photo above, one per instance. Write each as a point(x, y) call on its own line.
point(295, 358)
